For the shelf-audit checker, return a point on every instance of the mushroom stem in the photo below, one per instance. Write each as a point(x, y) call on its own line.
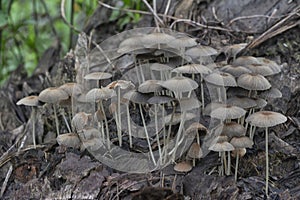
point(147, 135)
point(229, 164)
point(66, 121)
point(179, 134)
point(202, 91)
point(129, 126)
point(170, 125)
point(106, 124)
point(236, 166)
point(33, 112)
point(56, 119)
point(267, 162)
point(119, 128)
point(157, 133)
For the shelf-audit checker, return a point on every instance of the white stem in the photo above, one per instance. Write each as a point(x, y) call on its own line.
point(202, 92)
point(157, 134)
point(33, 125)
point(56, 119)
point(267, 162)
point(129, 126)
point(179, 133)
point(147, 135)
point(106, 124)
point(66, 121)
point(236, 166)
point(229, 164)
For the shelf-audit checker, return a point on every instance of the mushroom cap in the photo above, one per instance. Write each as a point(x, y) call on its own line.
point(72, 89)
point(81, 120)
point(179, 84)
point(52, 95)
point(97, 76)
point(253, 82)
point(241, 101)
point(264, 70)
point(221, 79)
point(235, 71)
point(195, 127)
point(195, 151)
point(137, 97)
point(228, 112)
point(241, 142)
point(152, 39)
point(201, 51)
point(150, 86)
point(130, 44)
point(234, 49)
point(160, 67)
point(120, 83)
point(187, 104)
point(273, 65)
point(182, 42)
point(183, 167)
point(231, 129)
point(271, 93)
point(240, 151)
point(221, 146)
point(266, 119)
point(192, 69)
point(260, 103)
point(68, 140)
point(29, 101)
point(245, 60)
point(160, 99)
point(97, 94)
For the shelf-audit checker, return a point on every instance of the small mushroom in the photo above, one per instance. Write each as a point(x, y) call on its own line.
point(183, 167)
point(52, 96)
point(195, 152)
point(98, 76)
point(253, 82)
point(33, 102)
point(266, 119)
point(68, 140)
point(240, 143)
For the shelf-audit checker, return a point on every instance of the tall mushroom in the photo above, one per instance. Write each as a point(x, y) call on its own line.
point(195, 69)
point(266, 119)
point(98, 95)
point(33, 102)
point(98, 76)
point(52, 96)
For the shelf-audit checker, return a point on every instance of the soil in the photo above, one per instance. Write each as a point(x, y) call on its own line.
point(57, 172)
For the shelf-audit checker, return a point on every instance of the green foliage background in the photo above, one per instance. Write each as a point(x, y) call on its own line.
point(29, 27)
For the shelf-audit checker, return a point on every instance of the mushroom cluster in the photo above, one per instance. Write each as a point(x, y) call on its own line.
point(155, 107)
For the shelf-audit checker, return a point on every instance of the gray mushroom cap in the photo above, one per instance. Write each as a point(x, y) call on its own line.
point(53, 95)
point(266, 119)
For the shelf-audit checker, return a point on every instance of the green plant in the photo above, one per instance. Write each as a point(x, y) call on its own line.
point(127, 17)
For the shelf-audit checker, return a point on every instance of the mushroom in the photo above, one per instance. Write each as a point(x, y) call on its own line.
point(118, 85)
point(220, 144)
point(68, 140)
point(196, 126)
point(195, 69)
point(245, 60)
point(52, 96)
point(253, 82)
point(163, 69)
point(98, 76)
point(233, 50)
point(81, 120)
point(150, 86)
point(264, 70)
point(266, 119)
point(272, 93)
point(200, 52)
point(130, 44)
point(221, 80)
point(234, 70)
point(227, 112)
point(240, 143)
point(140, 98)
point(98, 95)
point(195, 152)
point(273, 65)
point(178, 85)
point(33, 102)
point(183, 167)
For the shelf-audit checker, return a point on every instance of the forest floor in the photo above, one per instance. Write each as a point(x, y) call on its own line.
point(55, 172)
